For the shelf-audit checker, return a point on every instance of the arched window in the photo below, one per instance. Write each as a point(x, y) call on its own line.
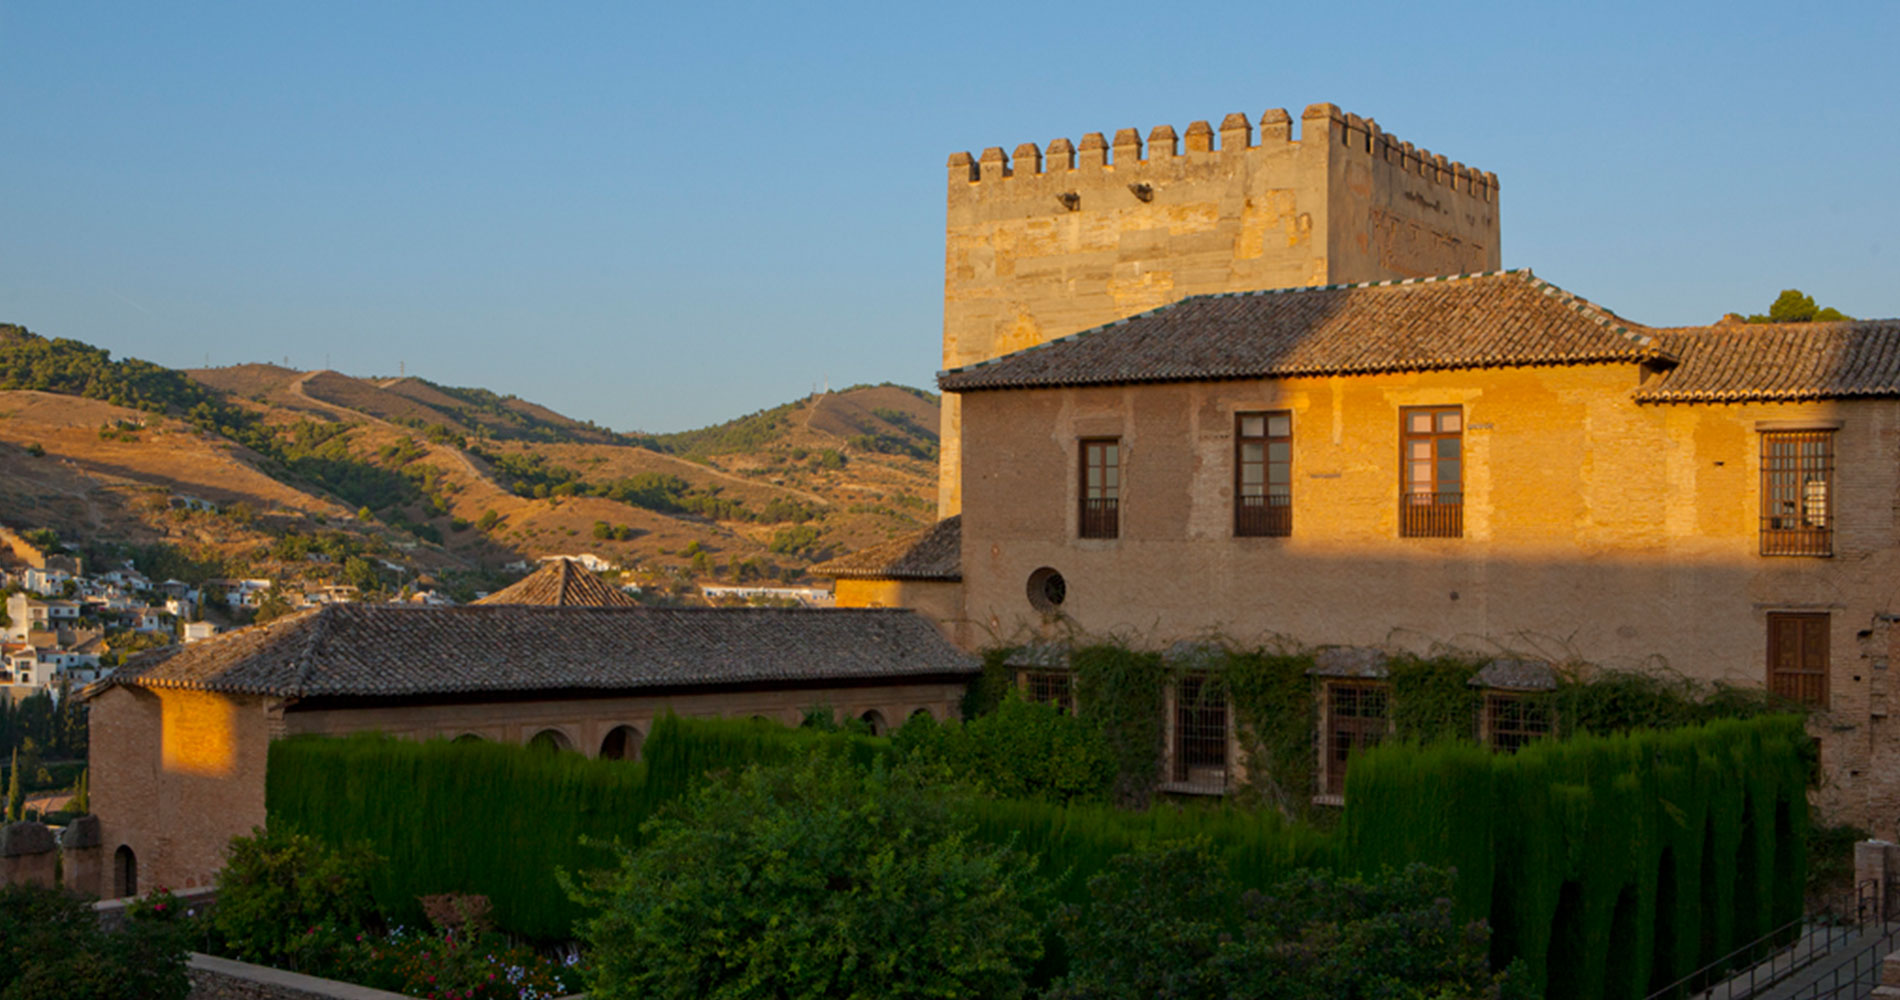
point(622, 743)
point(468, 738)
point(923, 712)
point(125, 872)
point(875, 719)
point(551, 739)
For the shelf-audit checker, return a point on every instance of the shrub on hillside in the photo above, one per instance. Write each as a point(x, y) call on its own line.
point(813, 879)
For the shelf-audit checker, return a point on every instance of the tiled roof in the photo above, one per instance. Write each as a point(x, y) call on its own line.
point(1499, 319)
point(392, 650)
point(561, 583)
point(931, 554)
point(1735, 362)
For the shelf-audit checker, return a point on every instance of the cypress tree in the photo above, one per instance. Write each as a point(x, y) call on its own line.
point(16, 792)
point(82, 796)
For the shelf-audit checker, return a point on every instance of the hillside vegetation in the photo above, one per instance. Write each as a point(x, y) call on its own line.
point(310, 470)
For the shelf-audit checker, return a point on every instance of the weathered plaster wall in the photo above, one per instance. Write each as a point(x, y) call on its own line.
point(1594, 528)
point(941, 601)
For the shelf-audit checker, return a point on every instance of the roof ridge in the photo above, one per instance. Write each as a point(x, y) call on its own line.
point(1600, 315)
point(305, 660)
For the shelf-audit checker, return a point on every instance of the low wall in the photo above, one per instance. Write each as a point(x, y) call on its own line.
point(197, 902)
point(214, 978)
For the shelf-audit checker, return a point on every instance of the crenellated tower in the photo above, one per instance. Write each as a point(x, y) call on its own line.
point(1049, 241)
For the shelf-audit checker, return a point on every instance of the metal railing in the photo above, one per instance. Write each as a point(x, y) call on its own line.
point(1809, 945)
point(1855, 978)
point(1101, 517)
point(1263, 516)
point(1784, 536)
point(1432, 515)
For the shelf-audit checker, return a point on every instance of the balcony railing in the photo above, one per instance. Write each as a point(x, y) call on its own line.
point(1100, 518)
point(1432, 515)
point(1786, 536)
point(1263, 516)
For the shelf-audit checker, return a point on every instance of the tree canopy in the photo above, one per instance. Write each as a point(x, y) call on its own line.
point(1796, 306)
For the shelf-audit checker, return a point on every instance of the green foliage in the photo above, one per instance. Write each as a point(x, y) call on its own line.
point(82, 794)
point(1272, 696)
point(513, 814)
point(1166, 921)
point(1571, 846)
point(1022, 750)
point(16, 791)
point(161, 561)
point(1432, 699)
point(1121, 691)
point(1795, 306)
point(797, 540)
point(814, 879)
point(51, 948)
point(488, 520)
point(29, 361)
point(276, 886)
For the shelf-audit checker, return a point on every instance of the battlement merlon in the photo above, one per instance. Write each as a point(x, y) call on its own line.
point(1319, 124)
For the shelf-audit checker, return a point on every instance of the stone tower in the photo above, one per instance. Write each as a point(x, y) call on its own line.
point(1051, 242)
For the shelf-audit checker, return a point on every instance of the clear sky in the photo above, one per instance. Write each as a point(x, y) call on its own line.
point(658, 216)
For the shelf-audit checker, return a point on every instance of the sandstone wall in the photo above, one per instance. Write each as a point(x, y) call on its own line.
point(1594, 529)
point(1053, 241)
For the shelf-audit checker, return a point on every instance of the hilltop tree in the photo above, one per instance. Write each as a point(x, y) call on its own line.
point(1795, 306)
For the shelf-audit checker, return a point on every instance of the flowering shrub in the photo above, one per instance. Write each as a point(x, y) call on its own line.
point(441, 967)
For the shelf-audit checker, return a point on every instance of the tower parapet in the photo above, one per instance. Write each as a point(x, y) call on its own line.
point(1063, 236)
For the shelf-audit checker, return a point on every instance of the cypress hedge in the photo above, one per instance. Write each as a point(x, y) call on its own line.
point(1612, 866)
point(498, 819)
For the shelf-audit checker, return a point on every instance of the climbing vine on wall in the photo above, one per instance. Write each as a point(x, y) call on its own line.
point(1124, 691)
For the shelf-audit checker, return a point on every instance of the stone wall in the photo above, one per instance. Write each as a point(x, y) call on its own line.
point(1050, 242)
point(1595, 529)
point(214, 978)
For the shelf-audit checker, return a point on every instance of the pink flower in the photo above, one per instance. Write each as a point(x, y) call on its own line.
point(160, 907)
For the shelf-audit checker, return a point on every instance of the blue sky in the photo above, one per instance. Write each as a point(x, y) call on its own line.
point(659, 216)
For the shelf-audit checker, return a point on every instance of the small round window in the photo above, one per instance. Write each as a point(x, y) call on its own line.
point(1047, 590)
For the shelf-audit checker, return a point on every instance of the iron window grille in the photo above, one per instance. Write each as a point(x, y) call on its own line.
point(1263, 474)
point(1048, 687)
point(1431, 472)
point(1357, 718)
point(1513, 720)
point(1200, 734)
point(1797, 494)
point(1100, 516)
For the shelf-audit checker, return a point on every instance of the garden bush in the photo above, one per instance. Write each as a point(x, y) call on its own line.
point(51, 948)
point(814, 879)
point(1021, 750)
point(286, 900)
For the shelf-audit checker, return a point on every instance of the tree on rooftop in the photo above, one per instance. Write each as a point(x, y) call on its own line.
point(1795, 306)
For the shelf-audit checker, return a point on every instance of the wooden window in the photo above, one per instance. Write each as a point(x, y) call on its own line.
point(1263, 474)
point(1512, 720)
point(1356, 718)
point(1048, 687)
point(1797, 657)
point(1200, 734)
point(1431, 472)
point(1101, 488)
point(1797, 495)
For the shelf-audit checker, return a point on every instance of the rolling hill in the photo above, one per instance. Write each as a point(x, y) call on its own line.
point(452, 484)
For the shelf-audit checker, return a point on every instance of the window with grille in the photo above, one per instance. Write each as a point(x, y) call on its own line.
point(1101, 488)
point(1431, 459)
point(1797, 657)
point(1512, 720)
point(1200, 733)
point(1048, 687)
point(1263, 474)
point(1797, 479)
point(1356, 718)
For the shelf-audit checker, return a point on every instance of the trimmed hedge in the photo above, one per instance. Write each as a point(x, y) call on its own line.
point(498, 819)
point(1613, 866)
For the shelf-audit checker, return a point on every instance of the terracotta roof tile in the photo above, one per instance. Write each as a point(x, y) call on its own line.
point(931, 554)
point(561, 583)
point(391, 650)
point(1736, 362)
point(1498, 319)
